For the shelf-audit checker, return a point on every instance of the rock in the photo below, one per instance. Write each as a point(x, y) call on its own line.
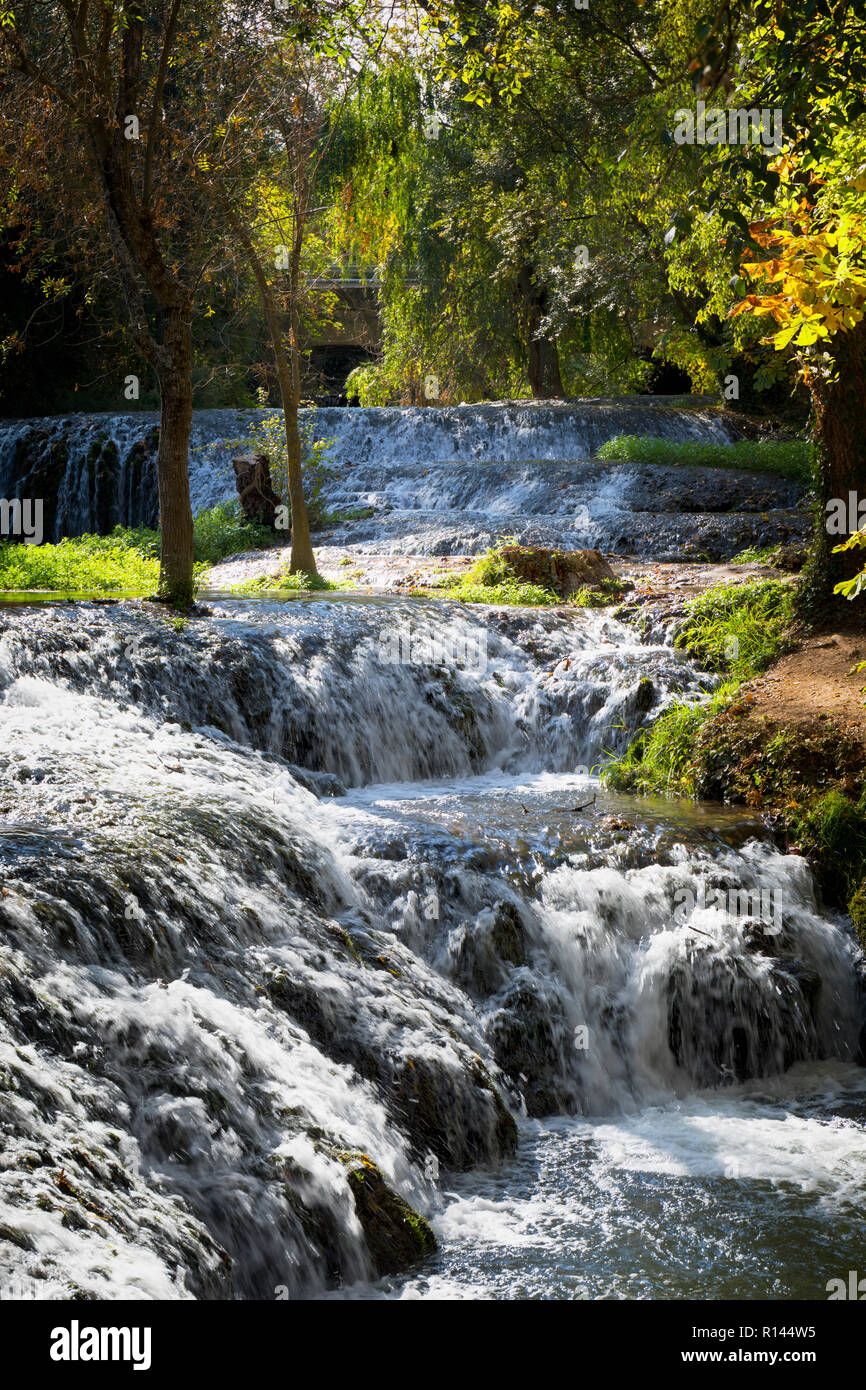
point(461, 1127)
point(485, 948)
point(761, 939)
point(397, 1236)
point(321, 784)
point(645, 695)
point(523, 1035)
point(791, 557)
point(563, 571)
point(258, 500)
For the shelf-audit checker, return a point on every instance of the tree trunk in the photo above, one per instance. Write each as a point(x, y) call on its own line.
point(259, 502)
point(544, 378)
point(175, 420)
point(289, 372)
point(841, 440)
point(302, 559)
point(545, 381)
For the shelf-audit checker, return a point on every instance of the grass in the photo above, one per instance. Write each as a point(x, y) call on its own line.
point(609, 592)
point(127, 561)
point(661, 759)
point(223, 530)
point(833, 827)
point(286, 583)
point(755, 555)
point(786, 458)
point(734, 629)
point(491, 580)
point(738, 629)
point(508, 591)
point(124, 562)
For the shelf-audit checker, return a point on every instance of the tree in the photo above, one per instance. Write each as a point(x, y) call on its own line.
point(805, 254)
point(810, 278)
point(524, 245)
point(129, 87)
point(293, 79)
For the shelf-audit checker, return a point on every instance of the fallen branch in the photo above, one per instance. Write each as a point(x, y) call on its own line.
point(564, 810)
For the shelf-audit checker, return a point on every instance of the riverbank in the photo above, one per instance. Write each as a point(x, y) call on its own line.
point(787, 738)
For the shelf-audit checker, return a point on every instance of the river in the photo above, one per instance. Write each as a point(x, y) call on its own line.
point(299, 881)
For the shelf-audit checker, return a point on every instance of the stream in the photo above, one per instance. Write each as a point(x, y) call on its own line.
point(298, 881)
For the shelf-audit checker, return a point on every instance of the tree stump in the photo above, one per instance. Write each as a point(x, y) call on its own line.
point(258, 500)
point(563, 571)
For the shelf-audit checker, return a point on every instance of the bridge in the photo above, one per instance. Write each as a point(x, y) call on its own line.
point(356, 338)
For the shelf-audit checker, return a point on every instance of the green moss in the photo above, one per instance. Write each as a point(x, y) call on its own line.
point(857, 909)
point(397, 1235)
point(787, 459)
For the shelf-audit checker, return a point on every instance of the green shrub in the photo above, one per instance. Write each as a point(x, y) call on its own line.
point(739, 628)
point(491, 580)
point(787, 458)
point(223, 530)
point(126, 562)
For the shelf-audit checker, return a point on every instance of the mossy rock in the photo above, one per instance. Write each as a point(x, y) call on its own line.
point(441, 1116)
point(645, 696)
point(523, 1036)
point(397, 1236)
point(487, 947)
point(563, 571)
point(857, 909)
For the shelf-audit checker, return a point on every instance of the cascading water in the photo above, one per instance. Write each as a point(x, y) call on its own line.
point(429, 481)
point(308, 881)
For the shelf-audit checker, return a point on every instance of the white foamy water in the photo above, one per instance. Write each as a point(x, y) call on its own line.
point(272, 901)
point(425, 481)
point(755, 1193)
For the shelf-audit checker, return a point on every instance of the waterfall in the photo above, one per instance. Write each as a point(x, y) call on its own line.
point(427, 481)
point(303, 882)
